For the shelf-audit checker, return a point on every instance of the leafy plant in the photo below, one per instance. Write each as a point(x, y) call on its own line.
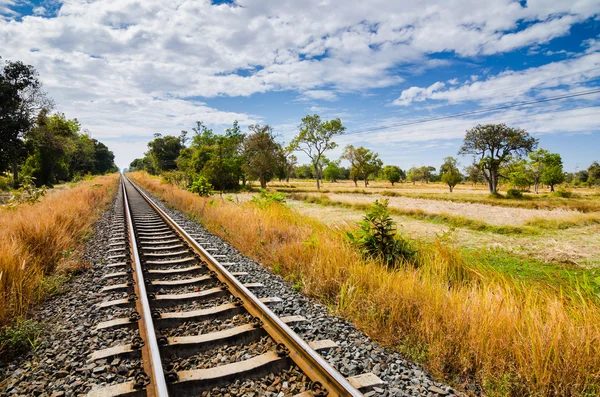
point(378, 238)
point(201, 186)
point(265, 198)
point(514, 194)
point(563, 194)
point(20, 336)
point(27, 193)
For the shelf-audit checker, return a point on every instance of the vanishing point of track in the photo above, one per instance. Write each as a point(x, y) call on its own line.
point(155, 254)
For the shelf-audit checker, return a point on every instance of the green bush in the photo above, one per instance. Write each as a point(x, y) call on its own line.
point(265, 198)
point(5, 183)
point(377, 237)
point(514, 194)
point(20, 336)
point(201, 186)
point(563, 194)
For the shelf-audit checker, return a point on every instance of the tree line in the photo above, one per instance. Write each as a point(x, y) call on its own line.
point(42, 147)
point(229, 160)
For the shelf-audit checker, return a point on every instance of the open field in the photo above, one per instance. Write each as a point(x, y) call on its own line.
point(583, 200)
point(37, 241)
point(498, 322)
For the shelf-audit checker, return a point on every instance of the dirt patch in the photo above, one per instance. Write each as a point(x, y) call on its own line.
point(579, 246)
point(487, 213)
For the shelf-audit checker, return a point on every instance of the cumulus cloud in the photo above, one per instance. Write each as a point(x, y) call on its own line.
point(148, 66)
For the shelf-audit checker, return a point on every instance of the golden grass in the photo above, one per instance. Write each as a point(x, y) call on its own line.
point(35, 239)
point(461, 320)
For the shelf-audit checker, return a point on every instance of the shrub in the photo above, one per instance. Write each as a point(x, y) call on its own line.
point(176, 178)
point(265, 198)
point(514, 194)
point(4, 183)
point(201, 186)
point(27, 193)
point(20, 336)
point(563, 194)
point(378, 238)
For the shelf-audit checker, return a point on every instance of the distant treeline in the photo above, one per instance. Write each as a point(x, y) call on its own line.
point(37, 146)
point(227, 161)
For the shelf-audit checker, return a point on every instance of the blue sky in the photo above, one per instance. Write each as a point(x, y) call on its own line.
point(128, 69)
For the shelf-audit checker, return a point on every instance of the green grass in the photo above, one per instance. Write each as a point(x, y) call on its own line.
point(535, 272)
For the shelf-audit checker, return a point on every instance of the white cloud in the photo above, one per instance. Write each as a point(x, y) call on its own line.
point(542, 81)
point(546, 120)
point(323, 95)
point(138, 67)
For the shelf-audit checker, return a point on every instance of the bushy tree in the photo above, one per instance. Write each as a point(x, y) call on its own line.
point(21, 98)
point(518, 174)
point(593, 172)
point(450, 173)
point(217, 157)
point(493, 146)
point(363, 162)
point(473, 174)
point(552, 173)
point(315, 138)
point(332, 171)
point(163, 151)
point(261, 153)
point(392, 174)
point(536, 166)
point(304, 171)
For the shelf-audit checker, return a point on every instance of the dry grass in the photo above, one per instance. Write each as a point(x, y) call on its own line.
point(462, 320)
point(453, 220)
point(584, 200)
point(37, 239)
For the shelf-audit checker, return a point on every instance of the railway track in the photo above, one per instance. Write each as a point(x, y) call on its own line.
point(190, 326)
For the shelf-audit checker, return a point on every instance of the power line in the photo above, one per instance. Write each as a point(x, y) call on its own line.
point(533, 85)
point(593, 108)
point(478, 111)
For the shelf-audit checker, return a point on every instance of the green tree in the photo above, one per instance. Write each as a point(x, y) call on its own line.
point(261, 153)
point(594, 174)
point(450, 173)
point(552, 170)
point(536, 165)
point(473, 174)
point(428, 173)
point(332, 172)
point(21, 98)
point(163, 151)
point(363, 162)
point(315, 138)
point(51, 144)
point(415, 175)
point(494, 145)
point(518, 174)
point(219, 158)
point(104, 158)
point(392, 174)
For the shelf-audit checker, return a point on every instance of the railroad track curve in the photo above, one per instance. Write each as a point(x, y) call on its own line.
point(171, 288)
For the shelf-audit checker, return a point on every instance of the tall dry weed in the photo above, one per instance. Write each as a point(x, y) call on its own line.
point(35, 238)
point(467, 323)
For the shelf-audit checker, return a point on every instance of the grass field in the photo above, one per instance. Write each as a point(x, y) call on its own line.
point(478, 317)
point(38, 242)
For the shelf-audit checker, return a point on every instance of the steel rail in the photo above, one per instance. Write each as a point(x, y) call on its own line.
point(309, 361)
point(158, 376)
